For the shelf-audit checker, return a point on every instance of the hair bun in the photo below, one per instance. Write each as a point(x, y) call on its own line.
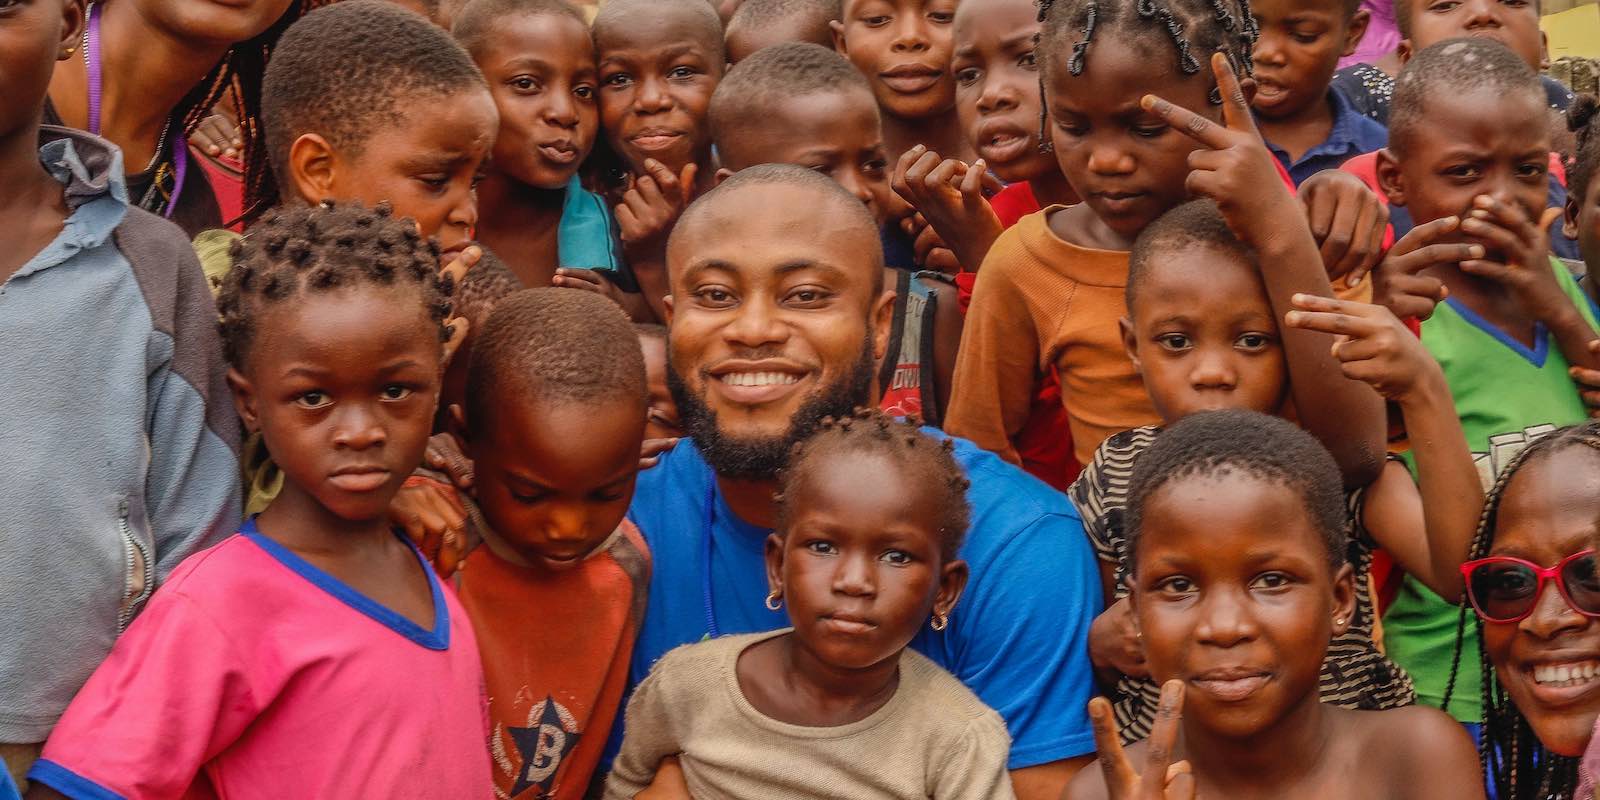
point(1582, 112)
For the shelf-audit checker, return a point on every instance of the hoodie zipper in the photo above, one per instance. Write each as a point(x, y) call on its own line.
point(137, 585)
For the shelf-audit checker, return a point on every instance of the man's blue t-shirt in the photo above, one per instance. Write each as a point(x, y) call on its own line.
point(1018, 637)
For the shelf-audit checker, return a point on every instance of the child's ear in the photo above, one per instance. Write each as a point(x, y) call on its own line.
point(244, 400)
point(458, 327)
point(1355, 30)
point(71, 29)
point(952, 582)
point(1344, 599)
point(1130, 343)
point(1569, 216)
point(837, 29)
point(313, 168)
point(456, 422)
point(774, 555)
point(666, 305)
point(1388, 170)
point(723, 173)
point(1403, 51)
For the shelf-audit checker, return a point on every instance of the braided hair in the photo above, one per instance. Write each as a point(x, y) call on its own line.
point(1516, 765)
point(1581, 120)
point(323, 247)
point(925, 461)
point(1205, 26)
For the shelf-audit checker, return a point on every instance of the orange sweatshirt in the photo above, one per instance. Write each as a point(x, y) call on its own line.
point(1042, 302)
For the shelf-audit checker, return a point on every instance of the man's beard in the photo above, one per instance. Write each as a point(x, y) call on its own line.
point(759, 459)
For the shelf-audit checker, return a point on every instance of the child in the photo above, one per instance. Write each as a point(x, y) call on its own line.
point(871, 515)
point(797, 103)
point(538, 58)
point(662, 414)
point(1467, 157)
point(660, 60)
point(554, 417)
point(1538, 643)
point(367, 101)
point(999, 106)
point(1581, 214)
point(1204, 335)
point(1048, 295)
point(902, 47)
point(304, 639)
point(1309, 126)
point(121, 451)
point(1236, 559)
point(759, 23)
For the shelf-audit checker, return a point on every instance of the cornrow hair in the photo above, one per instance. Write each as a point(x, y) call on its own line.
point(554, 344)
point(1516, 765)
point(925, 461)
point(1191, 25)
point(317, 248)
point(1582, 121)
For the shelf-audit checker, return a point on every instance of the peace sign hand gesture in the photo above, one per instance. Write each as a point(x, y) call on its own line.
point(1161, 779)
point(1234, 167)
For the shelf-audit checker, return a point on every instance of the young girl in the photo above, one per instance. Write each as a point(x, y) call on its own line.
point(539, 60)
point(1539, 645)
point(148, 72)
point(1237, 563)
point(317, 637)
point(871, 516)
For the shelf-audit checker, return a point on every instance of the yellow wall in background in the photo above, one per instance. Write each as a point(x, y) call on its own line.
point(1574, 32)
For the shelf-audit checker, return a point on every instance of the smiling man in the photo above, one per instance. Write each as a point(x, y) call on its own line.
point(777, 314)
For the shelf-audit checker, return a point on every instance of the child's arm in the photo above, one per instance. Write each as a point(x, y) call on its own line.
point(993, 386)
point(191, 489)
point(1429, 533)
point(1526, 273)
point(949, 195)
point(1348, 222)
point(1398, 283)
point(649, 209)
point(1236, 171)
point(648, 737)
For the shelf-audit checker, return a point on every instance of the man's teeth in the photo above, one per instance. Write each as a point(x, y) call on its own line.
point(1563, 675)
point(760, 378)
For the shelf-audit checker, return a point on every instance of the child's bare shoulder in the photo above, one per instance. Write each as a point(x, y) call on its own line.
point(1391, 744)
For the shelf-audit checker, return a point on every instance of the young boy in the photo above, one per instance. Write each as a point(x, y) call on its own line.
point(662, 417)
point(367, 101)
point(903, 49)
point(798, 103)
point(759, 23)
point(1467, 157)
point(660, 60)
point(1308, 126)
point(121, 448)
point(538, 58)
point(554, 419)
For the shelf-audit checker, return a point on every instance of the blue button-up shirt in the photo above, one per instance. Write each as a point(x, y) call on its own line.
point(1353, 133)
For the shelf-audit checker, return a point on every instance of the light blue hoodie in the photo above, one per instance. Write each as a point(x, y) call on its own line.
point(118, 440)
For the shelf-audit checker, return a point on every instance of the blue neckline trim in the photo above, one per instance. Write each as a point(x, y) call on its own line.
point(436, 639)
point(1541, 341)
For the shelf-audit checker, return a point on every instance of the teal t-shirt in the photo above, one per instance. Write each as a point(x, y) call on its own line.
point(1506, 395)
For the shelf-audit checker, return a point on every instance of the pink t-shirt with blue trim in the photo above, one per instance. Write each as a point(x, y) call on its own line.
point(254, 674)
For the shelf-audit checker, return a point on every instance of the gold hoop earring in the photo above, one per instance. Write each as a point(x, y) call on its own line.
point(939, 623)
point(774, 600)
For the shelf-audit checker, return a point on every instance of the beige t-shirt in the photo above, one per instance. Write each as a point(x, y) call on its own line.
point(933, 739)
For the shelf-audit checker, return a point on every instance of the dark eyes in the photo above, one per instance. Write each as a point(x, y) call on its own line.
point(617, 79)
point(1173, 341)
point(524, 83)
point(584, 92)
point(1253, 341)
point(312, 399)
point(395, 391)
point(681, 72)
point(968, 76)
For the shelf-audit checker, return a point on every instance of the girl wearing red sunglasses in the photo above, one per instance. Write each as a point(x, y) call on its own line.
point(1535, 588)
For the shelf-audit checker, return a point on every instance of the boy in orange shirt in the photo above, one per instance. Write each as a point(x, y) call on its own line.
point(555, 578)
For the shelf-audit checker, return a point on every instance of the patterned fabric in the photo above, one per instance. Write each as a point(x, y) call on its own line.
point(1354, 674)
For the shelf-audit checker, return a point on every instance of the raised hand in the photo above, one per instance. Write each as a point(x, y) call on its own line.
point(1234, 168)
point(1348, 220)
point(1523, 247)
point(1161, 779)
point(1371, 344)
point(1114, 642)
point(950, 196)
point(653, 202)
point(1398, 283)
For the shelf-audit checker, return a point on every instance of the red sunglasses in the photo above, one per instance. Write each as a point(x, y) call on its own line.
point(1504, 589)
